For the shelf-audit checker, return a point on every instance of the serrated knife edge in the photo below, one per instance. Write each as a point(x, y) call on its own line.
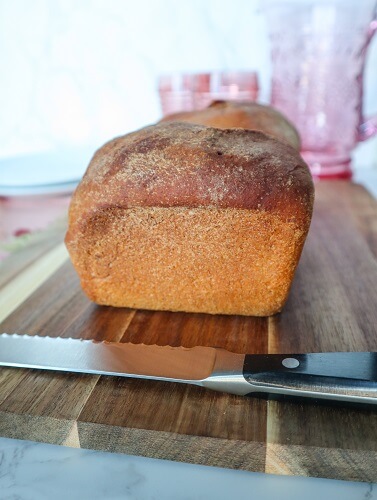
point(343, 377)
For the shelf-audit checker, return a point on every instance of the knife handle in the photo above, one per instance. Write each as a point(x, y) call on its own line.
point(344, 377)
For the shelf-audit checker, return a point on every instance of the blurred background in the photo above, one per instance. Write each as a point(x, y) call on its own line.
point(77, 73)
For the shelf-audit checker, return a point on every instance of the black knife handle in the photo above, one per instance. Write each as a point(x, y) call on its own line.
point(337, 376)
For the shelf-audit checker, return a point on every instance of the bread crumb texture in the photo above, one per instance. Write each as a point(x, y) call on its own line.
point(226, 261)
point(162, 220)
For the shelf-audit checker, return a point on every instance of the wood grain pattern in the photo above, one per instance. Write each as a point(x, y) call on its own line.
point(18, 261)
point(23, 285)
point(332, 306)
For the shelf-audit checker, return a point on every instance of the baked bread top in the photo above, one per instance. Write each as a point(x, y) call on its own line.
point(185, 165)
point(242, 114)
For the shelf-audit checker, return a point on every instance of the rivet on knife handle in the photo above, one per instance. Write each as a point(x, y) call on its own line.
point(338, 376)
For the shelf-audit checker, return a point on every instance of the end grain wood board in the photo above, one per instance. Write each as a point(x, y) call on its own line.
point(332, 307)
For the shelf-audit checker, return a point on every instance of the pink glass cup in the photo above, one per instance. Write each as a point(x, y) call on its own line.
point(318, 55)
point(225, 85)
point(176, 93)
point(186, 92)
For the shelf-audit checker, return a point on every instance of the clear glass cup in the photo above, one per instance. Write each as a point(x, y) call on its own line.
point(318, 50)
point(187, 92)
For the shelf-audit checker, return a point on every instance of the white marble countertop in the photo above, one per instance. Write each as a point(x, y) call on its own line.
point(35, 471)
point(32, 471)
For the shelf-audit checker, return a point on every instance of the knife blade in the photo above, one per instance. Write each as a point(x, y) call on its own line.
point(337, 376)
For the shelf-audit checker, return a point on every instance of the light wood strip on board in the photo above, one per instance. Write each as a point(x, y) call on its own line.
point(17, 291)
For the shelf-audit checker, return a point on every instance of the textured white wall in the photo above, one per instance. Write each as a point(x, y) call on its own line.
point(78, 72)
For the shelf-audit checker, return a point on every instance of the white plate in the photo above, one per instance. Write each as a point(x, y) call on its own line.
point(56, 172)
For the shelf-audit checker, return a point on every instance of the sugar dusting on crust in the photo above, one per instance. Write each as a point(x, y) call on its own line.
point(181, 164)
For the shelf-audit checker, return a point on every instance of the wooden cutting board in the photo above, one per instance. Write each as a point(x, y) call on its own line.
point(332, 307)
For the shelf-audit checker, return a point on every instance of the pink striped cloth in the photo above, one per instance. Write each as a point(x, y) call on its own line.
point(26, 215)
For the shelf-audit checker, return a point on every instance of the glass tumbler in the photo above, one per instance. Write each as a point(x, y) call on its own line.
point(187, 92)
point(176, 93)
point(225, 85)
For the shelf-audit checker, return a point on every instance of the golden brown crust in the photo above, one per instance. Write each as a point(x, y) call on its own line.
point(242, 114)
point(181, 164)
point(161, 220)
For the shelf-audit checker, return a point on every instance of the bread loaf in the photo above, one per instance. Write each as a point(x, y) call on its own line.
point(183, 217)
point(249, 115)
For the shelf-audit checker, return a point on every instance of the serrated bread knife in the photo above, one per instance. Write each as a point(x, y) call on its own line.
point(340, 376)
